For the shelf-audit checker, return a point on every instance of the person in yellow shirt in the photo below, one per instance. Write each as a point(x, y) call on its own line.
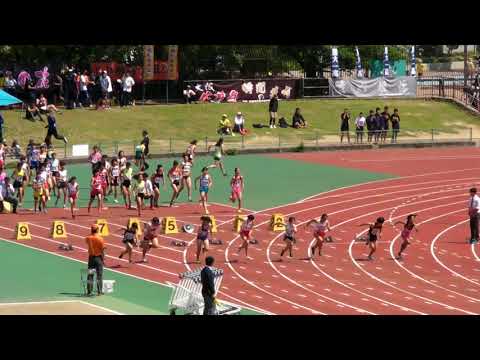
point(225, 126)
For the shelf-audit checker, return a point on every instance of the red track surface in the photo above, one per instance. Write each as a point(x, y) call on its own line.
point(440, 273)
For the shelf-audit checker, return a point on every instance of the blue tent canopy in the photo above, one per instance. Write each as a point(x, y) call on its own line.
point(7, 99)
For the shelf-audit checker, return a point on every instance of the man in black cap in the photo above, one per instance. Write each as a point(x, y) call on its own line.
point(208, 287)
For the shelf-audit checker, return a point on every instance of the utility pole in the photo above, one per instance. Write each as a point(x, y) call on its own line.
point(465, 65)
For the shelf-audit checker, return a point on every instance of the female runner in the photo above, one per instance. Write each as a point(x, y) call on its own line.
point(246, 233)
point(408, 227)
point(191, 150)
point(217, 156)
point(289, 236)
point(320, 229)
point(73, 193)
point(126, 176)
point(130, 241)
point(150, 237)
point(186, 176)
point(157, 178)
point(202, 236)
point(374, 234)
point(96, 190)
point(237, 184)
point(175, 175)
point(205, 184)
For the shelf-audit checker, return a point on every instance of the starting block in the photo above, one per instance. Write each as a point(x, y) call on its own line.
point(23, 232)
point(253, 241)
point(213, 222)
point(132, 221)
point(169, 225)
point(277, 223)
point(237, 224)
point(179, 243)
point(103, 227)
point(7, 207)
point(215, 242)
point(65, 247)
point(328, 239)
point(58, 230)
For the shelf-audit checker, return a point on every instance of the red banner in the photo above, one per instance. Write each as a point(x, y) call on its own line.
point(116, 70)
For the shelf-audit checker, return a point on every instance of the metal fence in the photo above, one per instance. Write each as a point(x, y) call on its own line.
point(288, 141)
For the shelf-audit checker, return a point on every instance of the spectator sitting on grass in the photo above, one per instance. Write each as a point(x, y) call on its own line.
point(298, 121)
point(225, 126)
point(189, 94)
point(32, 111)
point(239, 126)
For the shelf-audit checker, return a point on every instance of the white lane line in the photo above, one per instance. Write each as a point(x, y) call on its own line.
point(415, 275)
point(110, 243)
point(440, 262)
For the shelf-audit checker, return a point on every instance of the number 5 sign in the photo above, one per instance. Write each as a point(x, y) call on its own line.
point(170, 225)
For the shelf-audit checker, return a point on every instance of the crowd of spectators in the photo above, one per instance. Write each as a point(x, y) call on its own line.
point(70, 86)
point(377, 125)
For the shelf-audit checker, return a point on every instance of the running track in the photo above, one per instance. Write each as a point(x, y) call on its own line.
point(440, 273)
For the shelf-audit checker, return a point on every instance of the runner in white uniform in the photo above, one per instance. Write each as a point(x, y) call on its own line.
point(73, 193)
point(289, 236)
point(61, 181)
point(115, 179)
point(186, 176)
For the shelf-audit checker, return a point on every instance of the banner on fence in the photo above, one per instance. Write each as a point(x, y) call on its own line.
point(116, 70)
point(172, 71)
point(80, 150)
point(245, 90)
point(148, 62)
point(400, 86)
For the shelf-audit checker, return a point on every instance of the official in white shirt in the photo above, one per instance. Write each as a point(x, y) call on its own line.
point(473, 212)
point(127, 86)
point(360, 125)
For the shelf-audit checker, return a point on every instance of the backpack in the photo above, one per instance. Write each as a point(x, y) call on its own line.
point(282, 123)
point(257, 126)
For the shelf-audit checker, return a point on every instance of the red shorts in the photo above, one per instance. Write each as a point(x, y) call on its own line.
point(2, 163)
point(236, 194)
point(95, 192)
point(245, 234)
point(73, 196)
point(406, 234)
point(45, 186)
point(320, 234)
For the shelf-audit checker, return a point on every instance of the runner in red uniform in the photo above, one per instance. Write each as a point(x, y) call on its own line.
point(408, 227)
point(237, 184)
point(96, 190)
point(246, 233)
point(150, 237)
point(320, 229)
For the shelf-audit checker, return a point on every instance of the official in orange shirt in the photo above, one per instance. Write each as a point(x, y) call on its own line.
point(96, 249)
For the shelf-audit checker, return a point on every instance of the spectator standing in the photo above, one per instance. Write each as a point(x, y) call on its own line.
point(297, 120)
point(273, 109)
point(95, 158)
point(56, 82)
point(385, 123)
point(7, 193)
point(395, 119)
point(359, 125)
point(84, 96)
point(127, 86)
point(42, 103)
point(473, 212)
point(208, 287)
point(188, 94)
point(239, 124)
point(10, 84)
point(96, 256)
point(344, 125)
point(370, 122)
point(378, 125)
point(107, 89)
point(52, 129)
point(2, 122)
point(69, 89)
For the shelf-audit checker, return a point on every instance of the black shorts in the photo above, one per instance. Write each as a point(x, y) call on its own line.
point(360, 129)
point(114, 181)
point(126, 183)
point(290, 238)
point(61, 184)
point(17, 184)
point(141, 196)
point(128, 242)
point(372, 238)
point(156, 186)
point(55, 174)
point(176, 182)
point(344, 128)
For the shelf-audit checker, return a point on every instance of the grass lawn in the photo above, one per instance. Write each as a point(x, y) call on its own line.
point(185, 122)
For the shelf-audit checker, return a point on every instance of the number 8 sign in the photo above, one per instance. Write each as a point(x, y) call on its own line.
point(58, 230)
